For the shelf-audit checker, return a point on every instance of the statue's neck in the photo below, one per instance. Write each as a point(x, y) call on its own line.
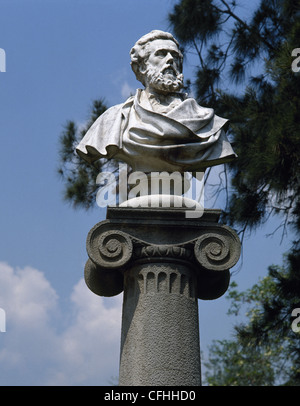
point(163, 103)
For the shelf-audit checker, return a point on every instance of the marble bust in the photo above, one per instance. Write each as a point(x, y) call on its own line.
point(159, 128)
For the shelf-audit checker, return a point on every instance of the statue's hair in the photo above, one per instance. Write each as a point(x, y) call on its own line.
point(139, 52)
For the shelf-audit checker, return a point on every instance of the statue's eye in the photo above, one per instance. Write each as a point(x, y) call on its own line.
point(160, 53)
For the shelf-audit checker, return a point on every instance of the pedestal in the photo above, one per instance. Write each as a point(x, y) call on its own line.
point(164, 262)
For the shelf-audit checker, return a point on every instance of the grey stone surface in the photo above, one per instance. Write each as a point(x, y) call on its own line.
point(160, 331)
point(128, 235)
point(164, 262)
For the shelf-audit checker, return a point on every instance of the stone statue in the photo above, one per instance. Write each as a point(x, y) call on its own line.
point(159, 128)
point(168, 257)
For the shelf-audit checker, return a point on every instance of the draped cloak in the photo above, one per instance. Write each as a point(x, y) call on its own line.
point(187, 138)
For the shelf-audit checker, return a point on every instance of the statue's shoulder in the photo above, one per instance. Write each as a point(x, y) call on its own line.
point(112, 112)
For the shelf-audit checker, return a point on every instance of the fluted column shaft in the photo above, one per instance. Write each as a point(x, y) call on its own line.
point(160, 330)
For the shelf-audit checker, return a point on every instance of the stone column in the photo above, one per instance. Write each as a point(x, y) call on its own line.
point(160, 331)
point(164, 262)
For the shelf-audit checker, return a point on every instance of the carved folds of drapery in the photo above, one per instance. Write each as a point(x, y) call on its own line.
point(132, 236)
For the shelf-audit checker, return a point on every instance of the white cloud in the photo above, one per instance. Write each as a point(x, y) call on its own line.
point(35, 350)
point(121, 80)
point(127, 90)
point(26, 295)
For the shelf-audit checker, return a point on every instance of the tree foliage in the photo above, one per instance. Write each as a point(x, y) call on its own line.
point(255, 53)
point(78, 176)
point(266, 349)
point(231, 364)
point(245, 73)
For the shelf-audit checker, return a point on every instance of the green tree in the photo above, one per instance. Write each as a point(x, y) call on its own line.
point(232, 364)
point(263, 110)
point(265, 349)
point(78, 176)
point(252, 57)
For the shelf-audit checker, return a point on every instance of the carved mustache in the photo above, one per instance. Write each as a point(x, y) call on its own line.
point(170, 69)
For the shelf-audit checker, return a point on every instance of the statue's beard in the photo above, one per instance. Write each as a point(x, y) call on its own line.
point(167, 80)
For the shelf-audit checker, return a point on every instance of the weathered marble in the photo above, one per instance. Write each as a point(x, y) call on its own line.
point(166, 258)
point(160, 128)
point(163, 262)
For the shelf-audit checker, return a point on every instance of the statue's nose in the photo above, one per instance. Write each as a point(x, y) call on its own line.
point(170, 58)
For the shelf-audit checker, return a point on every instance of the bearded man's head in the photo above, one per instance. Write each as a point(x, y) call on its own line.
point(157, 62)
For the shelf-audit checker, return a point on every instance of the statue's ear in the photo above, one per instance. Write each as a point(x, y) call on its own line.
point(142, 67)
point(141, 72)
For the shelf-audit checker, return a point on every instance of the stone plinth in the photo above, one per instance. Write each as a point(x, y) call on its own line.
point(164, 262)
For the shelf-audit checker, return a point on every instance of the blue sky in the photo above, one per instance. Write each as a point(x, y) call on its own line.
point(60, 56)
